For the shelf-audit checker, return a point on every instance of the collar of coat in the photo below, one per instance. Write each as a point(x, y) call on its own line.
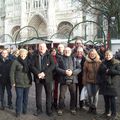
point(114, 61)
point(97, 59)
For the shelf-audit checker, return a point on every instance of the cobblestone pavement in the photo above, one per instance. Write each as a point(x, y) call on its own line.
point(81, 114)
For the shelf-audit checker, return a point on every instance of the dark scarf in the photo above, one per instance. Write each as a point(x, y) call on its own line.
point(108, 63)
point(24, 63)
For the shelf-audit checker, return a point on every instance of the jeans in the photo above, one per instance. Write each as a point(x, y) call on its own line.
point(9, 93)
point(93, 94)
point(21, 99)
point(110, 104)
point(63, 90)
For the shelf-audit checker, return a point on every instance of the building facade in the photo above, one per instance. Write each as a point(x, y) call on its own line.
point(50, 18)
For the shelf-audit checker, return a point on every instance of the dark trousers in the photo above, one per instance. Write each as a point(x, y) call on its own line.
point(48, 92)
point(55, 90)
point(55, 93)
point(21, 99)
point(9, 93)
point(110, 104)
point(0, 91)
point(72, 90)
point(78, 93)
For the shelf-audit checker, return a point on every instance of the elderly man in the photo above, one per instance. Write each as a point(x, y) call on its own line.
point(68, 70)
point(42, 67)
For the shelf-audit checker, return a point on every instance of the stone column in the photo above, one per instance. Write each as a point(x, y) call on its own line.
point(51, 18)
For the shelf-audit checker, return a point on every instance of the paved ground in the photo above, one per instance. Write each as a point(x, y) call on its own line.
point(81, 115)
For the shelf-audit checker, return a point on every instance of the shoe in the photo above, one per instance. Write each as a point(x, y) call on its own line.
point(60, 112)
point(90, 110)
point(50, 114)
point(105, 115)
point(2, 108)
point(38, 112)
point(24, 112)
point(73, 112)
point(94, 111)
point(113, 118)
point(54, 107)
point(10, 107)
point(17, 115)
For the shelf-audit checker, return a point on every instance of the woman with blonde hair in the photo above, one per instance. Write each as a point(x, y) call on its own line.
point(109, 69)
point(90, 69)
point(21, 79)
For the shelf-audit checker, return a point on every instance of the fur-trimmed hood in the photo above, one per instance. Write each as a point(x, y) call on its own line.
point(97, 59)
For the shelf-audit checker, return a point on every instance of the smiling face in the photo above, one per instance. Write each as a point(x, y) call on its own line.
point(67, 51)
point(53, 52)
point(5, 54)
point(60, 48)
point(79, 52)
point(108, 55)
point(92, 55)
point(42, 48)
point(23, 53)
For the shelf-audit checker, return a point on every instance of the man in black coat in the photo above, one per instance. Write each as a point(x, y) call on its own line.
point(5, 65)
point(42, 67)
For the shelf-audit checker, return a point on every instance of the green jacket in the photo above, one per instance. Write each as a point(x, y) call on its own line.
point(18, 77)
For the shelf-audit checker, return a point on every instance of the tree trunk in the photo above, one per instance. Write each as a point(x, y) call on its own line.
point(109, 34)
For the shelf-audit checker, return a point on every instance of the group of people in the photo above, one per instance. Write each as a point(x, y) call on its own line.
point(58, 70)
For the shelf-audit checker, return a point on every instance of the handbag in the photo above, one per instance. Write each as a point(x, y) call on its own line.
point(84, 94)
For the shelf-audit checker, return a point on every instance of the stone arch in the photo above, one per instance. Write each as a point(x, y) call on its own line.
point(64, 28)
point(39, 23)
point(14, 31)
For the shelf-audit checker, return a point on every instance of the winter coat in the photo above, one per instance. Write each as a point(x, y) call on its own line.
point(80, 75)
point(18, 76)
point(5, 66)
point(90, 70)
point(47, 67)
point(63, 65)
point(106, 77)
